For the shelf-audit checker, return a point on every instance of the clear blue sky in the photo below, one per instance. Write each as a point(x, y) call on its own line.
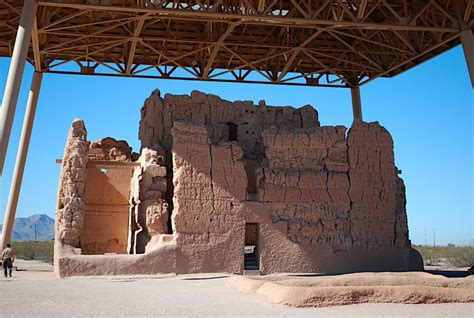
point(428, 110)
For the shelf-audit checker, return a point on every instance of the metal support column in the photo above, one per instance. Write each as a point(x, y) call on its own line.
point(356, 103)
point(15, 74)
point(467, 40)
point(21, 159)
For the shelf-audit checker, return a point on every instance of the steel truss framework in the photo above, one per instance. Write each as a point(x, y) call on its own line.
point(340, 43)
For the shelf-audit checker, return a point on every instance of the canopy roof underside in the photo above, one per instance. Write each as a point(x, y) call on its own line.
point(299, 42)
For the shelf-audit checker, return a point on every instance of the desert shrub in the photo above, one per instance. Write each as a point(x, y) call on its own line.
point(464, 257)
point(37, 250)
point(458, 256)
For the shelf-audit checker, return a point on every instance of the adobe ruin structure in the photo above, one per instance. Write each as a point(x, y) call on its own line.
point(224, 186)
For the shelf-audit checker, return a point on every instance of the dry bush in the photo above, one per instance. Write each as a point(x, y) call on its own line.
point(464, 257)
point(458, 256)
point(37, 250)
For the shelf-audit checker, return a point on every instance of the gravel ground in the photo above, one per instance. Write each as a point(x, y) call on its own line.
point(35, 292)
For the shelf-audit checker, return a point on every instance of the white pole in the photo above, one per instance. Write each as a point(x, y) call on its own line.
point(21, 159)
point(467, 40)
point(356, 103)
point(15, 75)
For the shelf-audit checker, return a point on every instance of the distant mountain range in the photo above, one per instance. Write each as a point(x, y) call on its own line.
point(24, 228)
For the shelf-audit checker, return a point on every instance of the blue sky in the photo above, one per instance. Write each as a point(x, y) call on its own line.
point(428, 110)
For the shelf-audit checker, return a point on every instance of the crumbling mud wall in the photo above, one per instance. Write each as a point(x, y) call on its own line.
point(323, 196)
point(373, 187)
point(335, 192)
point(71, 204)
point(241, 122)
point(325, 199)
point(218, 116)
point(107, 192)
point(93, 200)
point(106, 218)
point(209, 186)
point(150, 216)
point(306, 186)
point(337, 200)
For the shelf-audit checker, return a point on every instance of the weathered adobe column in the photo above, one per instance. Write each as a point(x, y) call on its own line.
point(21, 159)
point(356, 103)
point(15, 75)
point(71, 205)
point(467, 40)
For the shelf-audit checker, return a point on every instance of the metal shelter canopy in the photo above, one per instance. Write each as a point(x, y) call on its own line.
point(337, 43)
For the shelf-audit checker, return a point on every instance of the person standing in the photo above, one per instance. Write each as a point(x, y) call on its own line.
point(8, 257)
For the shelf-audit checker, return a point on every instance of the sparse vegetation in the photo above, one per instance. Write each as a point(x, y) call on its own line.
point(457, 256)
point(37, 250)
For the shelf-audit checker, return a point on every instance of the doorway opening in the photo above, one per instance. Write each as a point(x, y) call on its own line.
point(233, 129)
point(251, 259)
point(250, 167)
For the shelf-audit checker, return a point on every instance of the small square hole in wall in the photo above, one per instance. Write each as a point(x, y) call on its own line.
point(103, 170)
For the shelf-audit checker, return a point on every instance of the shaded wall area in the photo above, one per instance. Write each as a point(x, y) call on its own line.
point(311, 216)
point(106, 218)
point(333, 201)
point(209, 186)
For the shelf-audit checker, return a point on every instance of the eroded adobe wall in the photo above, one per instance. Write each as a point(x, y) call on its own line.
point(107, 191)
point(213, 113)
point(94, 212)
point(149, 205)
point(373, 186)
point(335, 191)
point(337, 200)
point(306, 184)
point(159, 114)
point(106, 218)
point(110, 149)
point(209, 185)
point(326, 199)
point(401, 222)
point(93, 202)
point(323, 196)
point(71, 204)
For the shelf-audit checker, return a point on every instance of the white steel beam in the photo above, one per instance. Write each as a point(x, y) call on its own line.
point(356, 103)
point(15, 75)
point(22, 154)
point(467, 40)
